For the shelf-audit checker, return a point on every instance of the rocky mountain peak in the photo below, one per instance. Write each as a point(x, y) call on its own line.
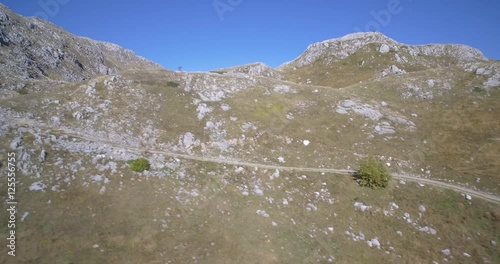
point(32, 49)
point(340, 48)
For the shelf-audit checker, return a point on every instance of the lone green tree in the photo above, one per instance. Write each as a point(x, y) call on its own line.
point(373, 173)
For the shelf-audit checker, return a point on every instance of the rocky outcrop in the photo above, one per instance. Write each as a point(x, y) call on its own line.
point(32, 48)
point(340, 48)
point(253, 69)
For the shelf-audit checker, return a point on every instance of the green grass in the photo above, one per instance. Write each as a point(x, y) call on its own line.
point(172, 84)
point(220, 225)
point(139, 165)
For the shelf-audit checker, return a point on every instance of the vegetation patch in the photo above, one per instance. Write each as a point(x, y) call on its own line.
point(373, 173)
point(23, 91)
point(139, 165)
point(219, 72)
point(172, 84)
point(100, 86)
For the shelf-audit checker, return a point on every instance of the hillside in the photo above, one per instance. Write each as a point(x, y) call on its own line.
point(33, 49)
point(248, 164)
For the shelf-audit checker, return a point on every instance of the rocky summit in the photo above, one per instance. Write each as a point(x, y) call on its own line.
point(34, 49)
point(109, 158)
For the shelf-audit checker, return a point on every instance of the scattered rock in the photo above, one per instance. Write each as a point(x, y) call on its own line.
point(43, 155)
point(467, 197)
point(262, 213)
point(421, 208)
point(37, 186)
point(447, 252)
point(361, 206)
point(384, 48)
point(306, 142)
point(311, 206)
point(281, 89)
point(258, 191)
point(374, 243)
point(366, 110)
point(16, 143)
point(393, 69)
point(23, 217)
point(384, 128)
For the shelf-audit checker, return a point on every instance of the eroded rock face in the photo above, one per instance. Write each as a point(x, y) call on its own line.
point(32, 48)
point(340, 48)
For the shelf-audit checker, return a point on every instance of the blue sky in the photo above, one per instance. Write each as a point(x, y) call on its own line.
point(201, 35)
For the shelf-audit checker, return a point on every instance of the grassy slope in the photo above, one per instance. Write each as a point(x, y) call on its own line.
point(220, 225)
point(122, 221)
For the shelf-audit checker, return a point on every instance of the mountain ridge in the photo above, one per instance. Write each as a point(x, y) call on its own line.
point(32, 48)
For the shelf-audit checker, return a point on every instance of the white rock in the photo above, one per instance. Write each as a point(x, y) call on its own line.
point(37, 186)
point(43, 155)
point(330, 229)
point(274, 223)
point(225, 107)
point(258, 191)
point(306, 142)
point(424, 229)
point(467, 197)
point(384, 128)
point(23, 217)
point(281, 159)
point(430, 83)
point(262, 213)
point(95, 246)
point(421, 208)
point(361, 206)
point(467, 255)
point(312, 206)
point(375, 243)
point(384, 48)
point(493, 242)
point(447, 252)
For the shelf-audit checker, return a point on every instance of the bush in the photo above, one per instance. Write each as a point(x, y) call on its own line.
point(139, 165)
point(172, 84)
point(373, 173)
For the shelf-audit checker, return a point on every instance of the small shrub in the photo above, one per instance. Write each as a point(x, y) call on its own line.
point(219, 72)
point(139, 165)
point(22, 91)
point(100, 86)
point(373, 173)
point(172, 84)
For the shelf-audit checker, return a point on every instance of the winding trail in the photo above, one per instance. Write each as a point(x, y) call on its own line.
point(478, 194)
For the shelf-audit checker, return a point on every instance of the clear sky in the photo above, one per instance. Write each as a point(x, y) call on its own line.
point(201, 35)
